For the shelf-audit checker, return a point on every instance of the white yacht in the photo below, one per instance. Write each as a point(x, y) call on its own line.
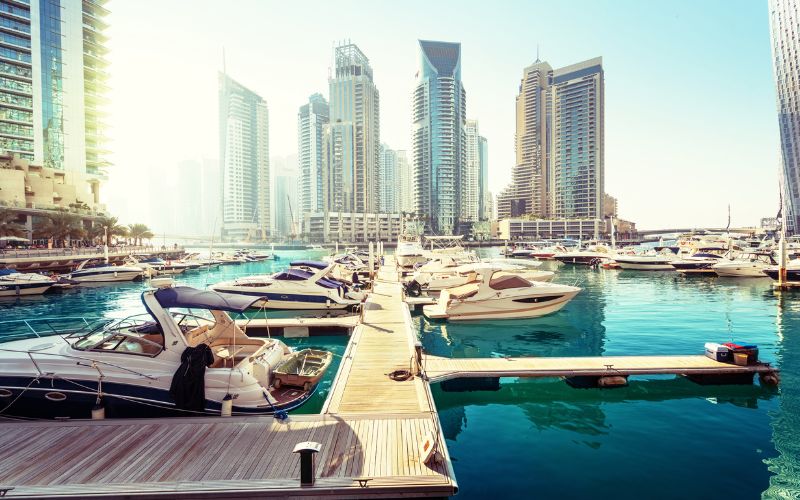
point(436, 281)
point(746, 265)
point(661, 261)
point(409, 252)
point(156, 266)
point(590, 256)
point(495, 294)
point(700, 262)
point(15, 284)
point(133, 366)
point(306, 285)
point(95, 271)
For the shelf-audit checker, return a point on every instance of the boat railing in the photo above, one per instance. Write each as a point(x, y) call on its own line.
point(82, 360)
point(48, 327)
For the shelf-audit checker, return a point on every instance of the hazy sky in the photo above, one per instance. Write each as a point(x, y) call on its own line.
point(690, 104)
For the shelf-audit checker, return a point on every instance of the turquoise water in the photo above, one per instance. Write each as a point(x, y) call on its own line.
point(660, 437)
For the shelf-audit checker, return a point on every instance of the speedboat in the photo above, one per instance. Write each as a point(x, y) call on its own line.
point(94, 271)
point(154, 266)
point(435, 282)
point(746, 265)
point(409, 252)
point(306, 285)
point(15, 284)
point(138, 366)
point(700, 262)
point(589, 257)
point(647, 262)
point(495, 294)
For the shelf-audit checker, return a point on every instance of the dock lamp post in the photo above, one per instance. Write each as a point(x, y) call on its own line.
point(307, 451)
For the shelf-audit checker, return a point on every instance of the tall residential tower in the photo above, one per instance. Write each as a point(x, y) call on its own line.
point(244, 161)
point(438, 138)
point(311, 120)
point(352, 138)
point(785, 27)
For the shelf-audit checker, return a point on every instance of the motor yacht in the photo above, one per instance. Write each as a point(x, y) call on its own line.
point(652, 261)
point(131, 367)
point(97, 271)
point(156, 266)
point(306, 285)
point(434, 282)
point(700, 262)
point(746, 265)
point(792, 271)
point(588, 257)
point(497, 294)
point(409, 252)
point(15, 284)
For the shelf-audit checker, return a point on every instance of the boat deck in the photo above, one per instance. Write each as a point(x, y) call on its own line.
point(439, 369)
point(300, 327)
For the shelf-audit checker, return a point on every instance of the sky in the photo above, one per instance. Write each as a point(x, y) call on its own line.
point(690, 114)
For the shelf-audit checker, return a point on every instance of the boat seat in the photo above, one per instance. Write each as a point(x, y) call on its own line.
point(197, 335)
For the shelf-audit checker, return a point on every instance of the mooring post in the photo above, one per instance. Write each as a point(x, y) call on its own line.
point(307, 451)
point(418, 357)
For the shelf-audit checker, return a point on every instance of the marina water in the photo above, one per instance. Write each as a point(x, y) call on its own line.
point(661, 437)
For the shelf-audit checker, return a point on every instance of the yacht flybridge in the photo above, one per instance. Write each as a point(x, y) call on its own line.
point(496, 294)
point(130, 366)
point(306, 285)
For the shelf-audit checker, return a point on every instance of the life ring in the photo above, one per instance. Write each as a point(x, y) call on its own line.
point(400, 375)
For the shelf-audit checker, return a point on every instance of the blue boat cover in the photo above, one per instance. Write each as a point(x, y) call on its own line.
point(188, 297)
point(293, 275)
point(6, 272)
point(316, 264)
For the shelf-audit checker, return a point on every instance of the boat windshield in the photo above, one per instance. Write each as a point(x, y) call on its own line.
point(133, 335)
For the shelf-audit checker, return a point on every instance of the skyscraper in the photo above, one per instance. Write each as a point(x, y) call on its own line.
point(285, 201)
point(405, 183)
point(577, 174)
point(311, 120)
point(352, 138)
point(52, 83)
point(470, 182)
point(438, 139)
point(244, 161)
point(387, 180)
point(559, 170)
point(785, 28)
point(484, 196)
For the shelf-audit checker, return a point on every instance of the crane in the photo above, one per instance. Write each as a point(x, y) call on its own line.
point(293, 231)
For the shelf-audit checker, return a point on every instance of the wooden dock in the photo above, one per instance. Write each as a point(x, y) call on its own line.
point(372, 431)
point(300, 327)
point(440, 369)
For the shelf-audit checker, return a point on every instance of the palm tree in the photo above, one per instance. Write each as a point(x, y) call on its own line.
point(60, 226)
point(111, 228)
point(139, 232)
point(95, 232)
point(9, 225)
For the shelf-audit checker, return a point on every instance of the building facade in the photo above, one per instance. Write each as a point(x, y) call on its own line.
point(579, 229)
point(438, 138)
point(244, 162)
point(484, 196)
point(470, 183)
point(311, 120)
point(327, 227)
point(405, 183)
point(387, 180)
point(53, 81)
point(577, 174)
point(785, 28)
point(351, 152)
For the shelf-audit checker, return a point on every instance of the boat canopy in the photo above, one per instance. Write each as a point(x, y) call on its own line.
point(316, 264)
point(188, 297)
point(293, 275)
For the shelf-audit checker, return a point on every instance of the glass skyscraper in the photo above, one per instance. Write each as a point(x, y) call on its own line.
point(311, 120)
point(244, 161)
point(785, 27)
point(53, 83)
point(438, 138)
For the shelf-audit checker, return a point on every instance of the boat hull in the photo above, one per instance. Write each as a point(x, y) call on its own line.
point(743, 271)
point(410, 260)
point(638, 265)
point(505, 308)
point(18, 290)
point(107, 277)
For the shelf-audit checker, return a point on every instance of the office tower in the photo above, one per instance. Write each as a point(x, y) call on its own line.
point(352, 138)
point(311, 119)
point(484, 196)
point(470, 183)
point(577, 173)
point(244, 161)
point(785, 27)
point(438, 140)
point(405, 184)
point(285, 205)
point(387, 180)
point(53, 83)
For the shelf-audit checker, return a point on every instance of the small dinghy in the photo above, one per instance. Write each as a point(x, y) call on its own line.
point(302, 369)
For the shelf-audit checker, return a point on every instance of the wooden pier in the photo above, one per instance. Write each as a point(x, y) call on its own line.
point(438, 369)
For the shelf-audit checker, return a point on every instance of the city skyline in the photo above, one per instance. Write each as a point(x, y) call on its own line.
point(690, 134)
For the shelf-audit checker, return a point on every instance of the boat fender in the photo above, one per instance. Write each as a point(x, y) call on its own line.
point(98, 411)
point(227, 406)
